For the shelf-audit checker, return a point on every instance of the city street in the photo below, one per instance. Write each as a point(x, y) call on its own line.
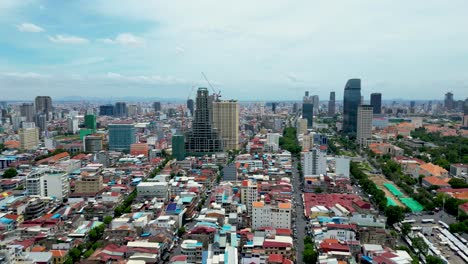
point(299, 222)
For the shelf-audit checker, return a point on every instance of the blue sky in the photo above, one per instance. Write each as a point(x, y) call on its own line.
point(262, 50)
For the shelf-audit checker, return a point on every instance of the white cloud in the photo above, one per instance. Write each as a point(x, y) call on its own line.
point(179, 50)
point(126, 39)
point(145, 79)
point(29, 27)
point(23, 75)
point(68, 39)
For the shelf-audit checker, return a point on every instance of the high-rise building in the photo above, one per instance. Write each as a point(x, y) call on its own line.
point(88, 185)
point(27, 110)
point(132, 110)
point(120, 109)
point(308, 109)
point(376, 102)
point(157, 106)
point(72, 125)
point(273, 107)
point(412, 107)
point(90, 122)
point(364, 126)
point(301, 126)
point(92, 144)
point(342, 167)
point(121, 136)
point(331, 104)
point(41, 121)
point(314, 162)
point(29, 138)
point(316, 103)
point(178, 147)
point(190, 106)
point(275, 216)
point(226, 120)
point(44, 105)
point(48, 183)
point(249, 194)
point(203, 139)
point(295, 108)
point(465, 113)
point(448, 102)
point(106, 110)
point(351, 101)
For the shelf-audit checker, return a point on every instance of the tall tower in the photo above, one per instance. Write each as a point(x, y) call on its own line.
point(351, 101)
point(331, 104)
point(27, 110)
point(226, 120)
point(448, 102)
point(44, 105)
point(376, 102)
point(364, 124)
point(120, 109)
point(157, 106)
point(121, 136)
point(308, 109)
point(190, 106)
point(203, 139)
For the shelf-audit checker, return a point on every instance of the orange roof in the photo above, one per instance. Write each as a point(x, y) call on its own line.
point(284, 205)
point(12, 144)
point(38, 249)
point(433, 169)
point(58, 253)
point(434, 180)
point(257, 204)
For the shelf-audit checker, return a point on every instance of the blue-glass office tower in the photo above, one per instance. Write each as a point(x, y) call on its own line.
point(351, 102)
point(308, 109)
point(376, 102)
point(121, 136)
point(106, 110)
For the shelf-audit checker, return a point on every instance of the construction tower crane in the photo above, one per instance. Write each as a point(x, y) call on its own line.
point(217, 95)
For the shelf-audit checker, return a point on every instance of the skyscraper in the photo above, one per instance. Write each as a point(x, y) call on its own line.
point(190, 106)
point(273, 107)
point(351, 101)
point(314, 162)
point(27, 110)
point(120, 109)
point(308, 109)
point(364, 124)
point(157, 106)
point(448, 102)
point(29, 138)
point(331, 104)
point(178, 147)
point(376, 102)
point(41, 121)
point(44, 105)
point(90, 122)
point(316, 103)
point(106, 110)
point(121, 136)
point(203, 139)
point(412, 105)
point(226, 120)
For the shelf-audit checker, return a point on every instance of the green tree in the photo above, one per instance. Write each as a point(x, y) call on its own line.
point(88, 253)
point(10, 173)
point(75, 254)
point(107, 219)
point(394, 214)
point(433, 260)
point(181, 231)
point(420, 245)
point(458, 183)
point(405, 229)
point(420, 178)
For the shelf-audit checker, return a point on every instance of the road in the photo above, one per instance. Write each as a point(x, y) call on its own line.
point(299, 221)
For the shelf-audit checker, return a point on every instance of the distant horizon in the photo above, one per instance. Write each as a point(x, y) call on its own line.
point(266, 50)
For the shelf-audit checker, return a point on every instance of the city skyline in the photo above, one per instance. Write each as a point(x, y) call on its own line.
point(150, 50)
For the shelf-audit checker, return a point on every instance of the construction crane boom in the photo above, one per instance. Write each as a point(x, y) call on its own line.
point(216, 94)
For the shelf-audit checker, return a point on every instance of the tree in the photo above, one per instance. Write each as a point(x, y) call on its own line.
point(420, 178)
point(10, 173)
point(394, 214)
point(406, 229)
point(181, 231)
point(433, 260)
point(420, 245)
point(458, 183)
point(75, 254)
point(107, 219)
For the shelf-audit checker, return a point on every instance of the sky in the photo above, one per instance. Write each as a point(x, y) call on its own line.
point(249, 50)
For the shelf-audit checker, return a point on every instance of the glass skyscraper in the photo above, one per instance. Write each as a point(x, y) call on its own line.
point(351, 102)
point(121, 136)
point(376, 102)
point(308, 109)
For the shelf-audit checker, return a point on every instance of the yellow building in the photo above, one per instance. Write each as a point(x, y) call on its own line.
point(29, 138)
point(226, 120)
point(89, 184)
